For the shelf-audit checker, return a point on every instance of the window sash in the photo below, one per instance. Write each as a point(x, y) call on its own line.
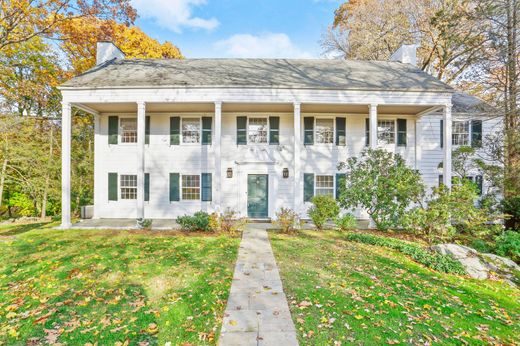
point(191, 130)
point(460, 133)
point(324, 185)
point(386, 131)
point(128, 186)
point(257, 130)
point(128, 130)
point(191, 187)
point(324, 131)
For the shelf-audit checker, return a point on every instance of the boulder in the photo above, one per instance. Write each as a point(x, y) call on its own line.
point(480, 266)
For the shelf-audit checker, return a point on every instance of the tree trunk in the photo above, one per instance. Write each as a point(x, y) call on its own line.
point(2, 180)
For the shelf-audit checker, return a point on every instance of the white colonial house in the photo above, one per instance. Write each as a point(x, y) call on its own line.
point(254, 135)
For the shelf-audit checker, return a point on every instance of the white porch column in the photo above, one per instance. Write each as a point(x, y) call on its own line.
point(373, 125)
point(298, 188)
point(218, 156)
point(141, 133)
point(66, 126)
point(447, 146)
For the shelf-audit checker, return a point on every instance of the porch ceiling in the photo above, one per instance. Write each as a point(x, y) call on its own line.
point(131, 107)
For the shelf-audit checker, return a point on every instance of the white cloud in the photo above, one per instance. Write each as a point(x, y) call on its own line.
point(174, 14)
point(267, 45)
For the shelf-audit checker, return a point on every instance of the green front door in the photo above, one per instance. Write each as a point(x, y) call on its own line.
point(257, 196)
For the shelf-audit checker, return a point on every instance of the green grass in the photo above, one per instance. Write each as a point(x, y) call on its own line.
point(112, 287)
point(366, 295)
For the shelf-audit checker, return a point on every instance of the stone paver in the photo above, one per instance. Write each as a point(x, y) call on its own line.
point(257, 312)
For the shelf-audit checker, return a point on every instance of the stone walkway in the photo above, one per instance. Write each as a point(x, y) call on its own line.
point(257, 312)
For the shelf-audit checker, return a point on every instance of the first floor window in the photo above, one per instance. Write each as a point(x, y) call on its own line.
point(386, 131)
point(325, 131)
point(190, 130)
point(128, 186)
point(128, 130)
point(191, 187)
point(460, 133)
point(257, 130)
point(325, 185)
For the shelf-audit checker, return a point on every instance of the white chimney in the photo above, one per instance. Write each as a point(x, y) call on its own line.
point(406, 54)
point(107, 51)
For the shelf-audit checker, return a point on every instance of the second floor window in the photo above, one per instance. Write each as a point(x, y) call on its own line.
point(128, 130)
point(386, 131)
point(324, 131)
point(460, 133)
point(190, 130)
point(128, 186)
point(257, 130)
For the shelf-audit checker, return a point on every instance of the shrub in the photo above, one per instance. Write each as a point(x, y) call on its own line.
point(214, 222)
point(418, 253)
point(230, 222)
point(144, 224)
point(511, 207)
point(346, 222)
point(324, 208)
point(381, 183)
point(508, 245)
point(287, 220)
point(196, 222)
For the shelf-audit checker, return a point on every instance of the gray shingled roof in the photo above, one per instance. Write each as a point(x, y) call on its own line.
point(260, 73)
point(465, 103)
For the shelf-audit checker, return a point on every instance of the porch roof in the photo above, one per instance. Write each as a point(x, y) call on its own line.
point(258, 73)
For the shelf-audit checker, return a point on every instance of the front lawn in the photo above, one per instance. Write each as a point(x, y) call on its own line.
point(112, 287)
point(342, 292)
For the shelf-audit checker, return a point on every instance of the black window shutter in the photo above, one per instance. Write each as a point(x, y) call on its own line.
point(147, 130)
point(112, 186)
point(367, 132)
point(341, 138)
point(206, 186)
point(308, 130)
point(174, 187)
point(175, 130)
point(113, 129)
point(241, 130)
point(147, 187)
point(476, 133)
point(340, 183)
point(479, 182)
point(401, 132)
point(274, 130)
point(206, 130)
point(442, 133)
point(441, 179)
point(308, 186)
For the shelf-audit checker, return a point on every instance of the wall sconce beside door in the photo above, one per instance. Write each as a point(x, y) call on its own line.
point(286, 173)
point(229, 172)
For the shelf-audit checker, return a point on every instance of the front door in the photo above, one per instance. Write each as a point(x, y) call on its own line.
point(257, 196)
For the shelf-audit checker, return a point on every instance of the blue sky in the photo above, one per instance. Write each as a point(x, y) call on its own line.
point(239, 28)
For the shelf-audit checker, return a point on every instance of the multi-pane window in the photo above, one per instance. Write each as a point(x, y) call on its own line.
point(460, 133)
point(257, 130)
point(325, 185)
point(386, 131)
point(325, 131)
point(190, 130)
point(191, 187)
point(128, 186)
point(128, 130)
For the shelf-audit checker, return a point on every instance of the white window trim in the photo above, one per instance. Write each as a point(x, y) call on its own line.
point(325, 117)
point(333, 182)
point(470, 136)
point(120, 186)
point(120, 130)
point(380, 142)
point(181, 198)
point(268, 130)
point(199, 117)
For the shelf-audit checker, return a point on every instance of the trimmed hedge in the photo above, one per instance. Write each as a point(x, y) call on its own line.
point(418, 253)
